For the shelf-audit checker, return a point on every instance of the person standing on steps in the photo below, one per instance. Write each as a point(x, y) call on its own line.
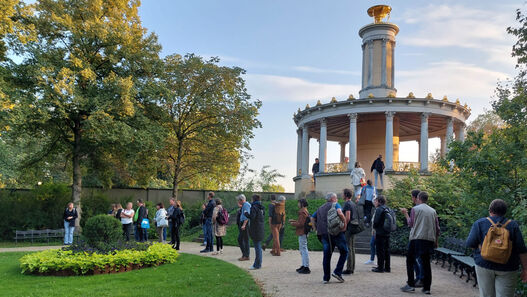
point(357, 178)
point(243, 228)
point(368, 193)
point(319, 219)
point(300, 230)
point(207, 212)
point(424, 234)
point(315, 169)
point(382, 237)
point(378, 169)
point(256, 229)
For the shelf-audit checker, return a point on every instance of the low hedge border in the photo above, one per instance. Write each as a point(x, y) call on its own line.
point(65, 263)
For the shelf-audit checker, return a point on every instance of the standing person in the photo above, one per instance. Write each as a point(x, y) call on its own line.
point(418, 267)
point(357, 177)
point(119, 209)
point(378, 168)
point(170, 212)
point(207, 214)
point(243, 230)
point(300, 230)
point(270, 213)
point(277, 222)
point(256, 229)
point(424, 234)
point(352, 219)
point(69, 216)
point(202, 222)
point(220, 230)
point(497, 279)
point(113, 210)
point(368, 193)
point(140, 214)
point(178, 219)
point(127, 216)
point(161, 221)
point(371, 261)
point(382, 237)
point(319, 219)
point(315, 169)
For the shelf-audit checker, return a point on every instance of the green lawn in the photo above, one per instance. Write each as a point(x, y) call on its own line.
point(190, 276)
point(290, 240)
point(26, 243)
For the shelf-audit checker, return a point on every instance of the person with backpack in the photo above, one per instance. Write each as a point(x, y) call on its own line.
point(367, 194)
point(256, 229)
point(330, 224)
point(140, 214)
point(277, 222)
point(424, 234)
point(378, 168)
point(354, 225)
point(382, 235)
point(302, 229)
point(220, 218)
point(499, 250)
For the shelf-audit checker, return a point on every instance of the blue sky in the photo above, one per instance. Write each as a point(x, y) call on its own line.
point(296, 52)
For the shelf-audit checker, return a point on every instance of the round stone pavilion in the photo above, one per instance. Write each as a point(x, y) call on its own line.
point(376, 122)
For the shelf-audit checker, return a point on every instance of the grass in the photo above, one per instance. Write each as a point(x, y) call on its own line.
point(290, 240)
point(190, 276)
point(26, 243)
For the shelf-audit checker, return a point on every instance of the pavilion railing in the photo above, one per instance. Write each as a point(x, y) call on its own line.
point(406, 166)
point(336, 167)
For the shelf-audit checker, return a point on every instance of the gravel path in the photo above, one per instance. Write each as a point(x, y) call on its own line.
point(30, 248)
point(279, 278)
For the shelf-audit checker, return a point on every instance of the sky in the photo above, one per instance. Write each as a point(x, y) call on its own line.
point(298, 52)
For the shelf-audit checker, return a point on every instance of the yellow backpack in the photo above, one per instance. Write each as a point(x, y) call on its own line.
point(496, 246)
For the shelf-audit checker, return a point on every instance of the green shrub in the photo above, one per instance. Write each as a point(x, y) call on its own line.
point(102, 230)
point(50, 261)
point(94, 205)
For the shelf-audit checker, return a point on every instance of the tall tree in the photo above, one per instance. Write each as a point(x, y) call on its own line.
point(80, 78)
point(208, 119)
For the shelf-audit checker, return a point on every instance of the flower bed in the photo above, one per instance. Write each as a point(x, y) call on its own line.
point(67, 262)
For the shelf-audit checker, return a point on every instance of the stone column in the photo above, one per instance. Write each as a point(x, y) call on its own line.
point(449, 133)
point(342, 151)
point(423, 149)
point(389, 141)
point(443, 146)
point(370, 64)
point(322, 145)
point(460, 133)
point(299, 152)
point(383, 65)
point(352, 141)
point(305, 151)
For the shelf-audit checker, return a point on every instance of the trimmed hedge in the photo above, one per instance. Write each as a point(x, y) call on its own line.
point(53, 261)
point(102, 230)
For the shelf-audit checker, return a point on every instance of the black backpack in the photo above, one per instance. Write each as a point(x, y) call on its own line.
point(307, 225)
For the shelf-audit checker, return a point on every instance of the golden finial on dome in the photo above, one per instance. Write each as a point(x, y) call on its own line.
point(410, 95)
point(457, 101)
point(350, 97)
point(391, 95)
point(445, 98)
point(465, 106)
point(429, 96)
point(319, 103)
point(333, 100)
point(379, 12)
point(299, 111)
point(370, 95)
point(307, 106)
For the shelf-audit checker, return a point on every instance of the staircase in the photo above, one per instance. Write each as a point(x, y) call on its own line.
point(362, 242)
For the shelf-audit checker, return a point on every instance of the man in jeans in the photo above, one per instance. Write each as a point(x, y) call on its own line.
point(319, 219)
point(378, 168)
point(207, 213)
point(243, 230)
point(496, 279)
point(424, 234)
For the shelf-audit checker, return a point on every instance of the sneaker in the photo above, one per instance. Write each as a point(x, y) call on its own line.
point(306, 270)
point(338, 277)
point(407, 288)
point(325, 282)
point(301, 268)
point(377, 270)
point(205, 251)
point(426, 292)
point(215, 253)
point(369, 262)
point(253, 268)
point(418, 284)
point(221, 251)
point(347, 272)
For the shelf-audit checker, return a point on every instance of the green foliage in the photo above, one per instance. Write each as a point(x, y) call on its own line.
point(102, 229)
point(94, 205)
point(82, 263)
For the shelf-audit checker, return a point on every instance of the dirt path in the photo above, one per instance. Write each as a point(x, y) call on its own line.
point(280, 279)
point(29, 248)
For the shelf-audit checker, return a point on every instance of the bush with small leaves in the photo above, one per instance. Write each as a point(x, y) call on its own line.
point(102, 230)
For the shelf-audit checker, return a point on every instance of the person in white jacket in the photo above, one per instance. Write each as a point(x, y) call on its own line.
point(161, 221)
point(357, 174)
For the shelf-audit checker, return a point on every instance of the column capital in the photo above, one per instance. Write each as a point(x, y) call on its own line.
point(323, 122)
point(389, 115)
point(425, 116)
point(353, 116)
point(370, 44)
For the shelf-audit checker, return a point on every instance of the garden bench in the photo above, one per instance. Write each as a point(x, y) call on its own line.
point(40, 234)
point(451, 247)
point(467, 264)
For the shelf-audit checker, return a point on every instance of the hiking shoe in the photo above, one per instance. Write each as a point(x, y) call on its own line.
point(418, 284)
point(369, 262)
point(306, 270)
point(338, 277)
point(347, 272)
point(243, 259)
point(407, 288)
point(427, 292)
point(301, 268)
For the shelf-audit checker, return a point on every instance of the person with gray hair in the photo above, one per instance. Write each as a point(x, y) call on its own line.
point(243, 230)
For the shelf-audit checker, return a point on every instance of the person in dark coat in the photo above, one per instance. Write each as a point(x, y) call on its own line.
point(378, 169)
point(256, 229)
point(141, 213)
point(69, 216)
point(382, 237)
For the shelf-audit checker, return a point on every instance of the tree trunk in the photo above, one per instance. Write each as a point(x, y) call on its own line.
point(177, 169)
point(174, 187)
point(77, 174)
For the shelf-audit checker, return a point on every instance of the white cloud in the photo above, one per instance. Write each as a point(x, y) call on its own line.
point(273, 87)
